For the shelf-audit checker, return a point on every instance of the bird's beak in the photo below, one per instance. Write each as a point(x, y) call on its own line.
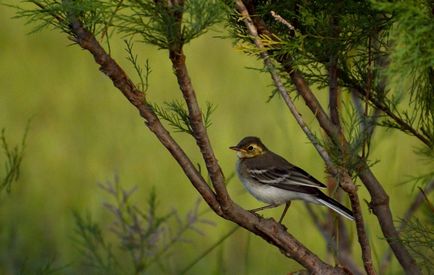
point(235, 148)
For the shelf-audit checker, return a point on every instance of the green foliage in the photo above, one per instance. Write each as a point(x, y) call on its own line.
point(13, 160)
point(411, 65)
point(367, 43)
point(164, 24)
point(45, 268)
point(176, 114)
point(59, 14)
point(418, 236)
point(90, 241)
point(141, 237)
point(44, 14)
point(209, 250)
point(199, 16)
point(143, 74)
point(158, 23)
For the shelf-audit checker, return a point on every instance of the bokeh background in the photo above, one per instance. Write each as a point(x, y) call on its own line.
point(83, 131)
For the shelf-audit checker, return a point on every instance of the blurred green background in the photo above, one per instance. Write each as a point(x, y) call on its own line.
point(83, 131)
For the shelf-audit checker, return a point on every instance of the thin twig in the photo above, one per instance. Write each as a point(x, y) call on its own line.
point(282, 20)
point(428, 202)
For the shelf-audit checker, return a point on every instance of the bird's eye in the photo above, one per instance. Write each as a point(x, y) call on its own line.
point(250, 148)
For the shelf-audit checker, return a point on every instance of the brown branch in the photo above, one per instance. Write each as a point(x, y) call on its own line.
point(268, 229)
point(178, 61)
point(177, 57)
point(347, 183)
point(333, 78)
point(349, 187)
point(277, 235)
point(360, 225)
point(333, 92)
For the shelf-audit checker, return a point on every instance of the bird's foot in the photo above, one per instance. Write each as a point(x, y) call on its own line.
point(263, 207)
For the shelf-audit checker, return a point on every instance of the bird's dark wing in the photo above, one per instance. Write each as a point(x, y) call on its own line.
point(285, 178)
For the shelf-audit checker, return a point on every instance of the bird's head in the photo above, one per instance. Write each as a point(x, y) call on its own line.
point(249, 147)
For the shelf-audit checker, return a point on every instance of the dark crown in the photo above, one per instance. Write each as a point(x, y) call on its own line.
point(251, 140)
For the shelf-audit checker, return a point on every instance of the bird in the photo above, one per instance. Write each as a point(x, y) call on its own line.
point(272, 179)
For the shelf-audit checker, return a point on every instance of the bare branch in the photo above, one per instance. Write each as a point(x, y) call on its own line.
point(177, 57)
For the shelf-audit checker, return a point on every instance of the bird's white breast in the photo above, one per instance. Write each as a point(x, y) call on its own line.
point(270, 194)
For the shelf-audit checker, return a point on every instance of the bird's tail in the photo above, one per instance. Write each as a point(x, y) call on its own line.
point(335, 206)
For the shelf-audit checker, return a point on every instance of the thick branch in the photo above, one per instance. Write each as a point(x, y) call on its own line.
point(380, 206)
point(177, 57)
point(200, 133)
point(277, 235)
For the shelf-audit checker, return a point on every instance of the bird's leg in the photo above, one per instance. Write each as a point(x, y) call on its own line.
point(263, 207)
point(284, 211)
